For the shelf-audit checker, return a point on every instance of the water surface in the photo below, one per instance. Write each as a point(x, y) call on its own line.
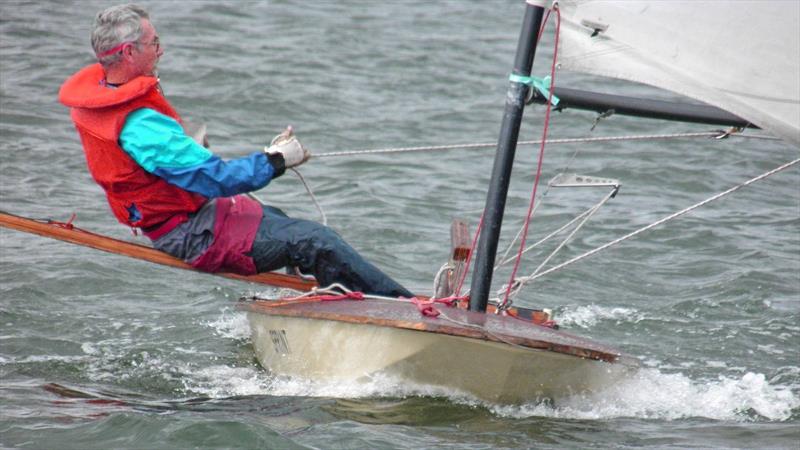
point(100, 351)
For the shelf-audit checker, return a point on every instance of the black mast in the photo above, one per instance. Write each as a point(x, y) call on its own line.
point(504, 157)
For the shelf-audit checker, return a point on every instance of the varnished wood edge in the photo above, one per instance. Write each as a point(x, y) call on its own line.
point(264, 307)
point(137, 251)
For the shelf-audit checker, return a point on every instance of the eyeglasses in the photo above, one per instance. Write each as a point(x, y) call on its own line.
point(122, 46)
point(156, 42)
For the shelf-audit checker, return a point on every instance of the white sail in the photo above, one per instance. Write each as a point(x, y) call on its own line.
point(740, 56)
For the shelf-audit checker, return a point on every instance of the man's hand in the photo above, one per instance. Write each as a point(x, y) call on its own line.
point(287, 145)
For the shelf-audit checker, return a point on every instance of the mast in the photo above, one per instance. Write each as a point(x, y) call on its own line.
point(504, 157)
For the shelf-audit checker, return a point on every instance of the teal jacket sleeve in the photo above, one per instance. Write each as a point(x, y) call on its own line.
point(159, 144)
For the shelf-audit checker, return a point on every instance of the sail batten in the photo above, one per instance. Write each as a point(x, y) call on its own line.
point(743, 57)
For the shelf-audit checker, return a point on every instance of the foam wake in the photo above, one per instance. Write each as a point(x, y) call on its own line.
point(646, 393)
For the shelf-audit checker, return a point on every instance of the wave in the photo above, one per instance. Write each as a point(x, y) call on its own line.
point(651, 394)
point(646, 393)
point(588, 316)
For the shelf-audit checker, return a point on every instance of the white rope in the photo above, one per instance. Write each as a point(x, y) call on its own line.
point(715, 133)
point(329, 289)
point(505, 259)
point(324, 218)
point(659, 222)
point(313, 197)
point(544, 239)
point(535, 207)
point(519, 234)
point(519, 283)
point(575, 230)
point(310, 193)
point(442, 271)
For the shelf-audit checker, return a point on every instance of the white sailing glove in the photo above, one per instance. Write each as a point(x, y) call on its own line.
point(289, 147)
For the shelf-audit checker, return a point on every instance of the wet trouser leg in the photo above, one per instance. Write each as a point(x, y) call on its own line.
point(316, 249)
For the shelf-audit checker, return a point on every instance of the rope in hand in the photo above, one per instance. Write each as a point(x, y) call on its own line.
point(323, 217)
point(311, 194)
point(634, 137)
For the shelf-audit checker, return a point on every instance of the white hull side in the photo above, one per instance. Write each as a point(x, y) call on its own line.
point(496, 372)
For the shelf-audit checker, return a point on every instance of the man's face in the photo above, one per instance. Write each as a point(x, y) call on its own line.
point(145, 57)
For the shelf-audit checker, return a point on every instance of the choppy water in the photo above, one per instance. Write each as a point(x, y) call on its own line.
point(99, 351)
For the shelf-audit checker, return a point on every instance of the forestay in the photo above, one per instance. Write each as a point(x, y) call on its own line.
point(741, 56)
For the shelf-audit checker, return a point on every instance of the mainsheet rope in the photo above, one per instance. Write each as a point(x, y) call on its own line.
point(634, 137)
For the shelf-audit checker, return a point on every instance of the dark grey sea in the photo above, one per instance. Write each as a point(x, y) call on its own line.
point(100, 351)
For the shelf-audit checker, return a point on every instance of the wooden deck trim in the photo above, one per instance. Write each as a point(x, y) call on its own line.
point(85, 238)
point(447, 328)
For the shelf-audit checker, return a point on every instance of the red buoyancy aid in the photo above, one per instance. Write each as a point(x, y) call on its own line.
point(99, 114)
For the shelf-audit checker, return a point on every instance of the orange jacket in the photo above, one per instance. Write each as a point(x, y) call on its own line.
point(137, 197)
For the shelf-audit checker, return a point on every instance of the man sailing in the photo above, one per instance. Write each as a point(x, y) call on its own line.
point(183, 197)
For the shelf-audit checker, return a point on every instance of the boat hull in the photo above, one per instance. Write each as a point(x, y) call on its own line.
point(497, 372)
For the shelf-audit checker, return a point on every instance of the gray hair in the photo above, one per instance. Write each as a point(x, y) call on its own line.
point(114, 26)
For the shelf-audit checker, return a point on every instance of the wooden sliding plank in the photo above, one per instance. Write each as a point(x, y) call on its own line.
point(71, 234)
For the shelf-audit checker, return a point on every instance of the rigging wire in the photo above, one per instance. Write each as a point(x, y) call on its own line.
point(701, 134)
point(579, 140)
point(510, 247)
point(582, 217)
point(516, 285)
point(540, 161)
point(524, 280)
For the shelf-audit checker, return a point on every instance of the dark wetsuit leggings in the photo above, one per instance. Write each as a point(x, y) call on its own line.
point(317, 250)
